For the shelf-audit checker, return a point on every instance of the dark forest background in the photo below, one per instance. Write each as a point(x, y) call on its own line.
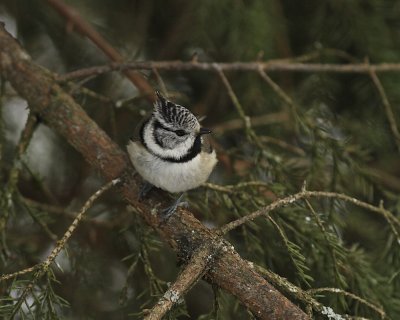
point(332, 131)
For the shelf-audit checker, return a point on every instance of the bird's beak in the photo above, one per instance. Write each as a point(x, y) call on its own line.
point(205, 131)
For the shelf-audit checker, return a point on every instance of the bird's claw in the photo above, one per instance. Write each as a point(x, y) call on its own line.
point(168, 212)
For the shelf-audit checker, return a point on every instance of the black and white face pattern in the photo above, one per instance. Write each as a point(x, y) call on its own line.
point(173, 132)
point(173, 124)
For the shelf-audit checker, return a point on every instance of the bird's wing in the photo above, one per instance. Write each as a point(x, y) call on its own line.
point(136, 134)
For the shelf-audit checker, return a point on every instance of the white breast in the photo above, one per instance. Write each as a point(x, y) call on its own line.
point(171, 176)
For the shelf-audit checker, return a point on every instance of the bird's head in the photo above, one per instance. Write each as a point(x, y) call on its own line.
point(174, 126)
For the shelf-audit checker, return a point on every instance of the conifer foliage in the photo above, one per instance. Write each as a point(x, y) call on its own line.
point(303, 100)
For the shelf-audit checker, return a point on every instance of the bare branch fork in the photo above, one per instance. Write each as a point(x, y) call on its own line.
point(182, 231)
point(198, 265)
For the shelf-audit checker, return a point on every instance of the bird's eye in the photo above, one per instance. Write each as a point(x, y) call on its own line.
point(180, 133)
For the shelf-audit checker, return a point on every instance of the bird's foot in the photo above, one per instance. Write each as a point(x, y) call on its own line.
point(168, 212)
point(144, 190)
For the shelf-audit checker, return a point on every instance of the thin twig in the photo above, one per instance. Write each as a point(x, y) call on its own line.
point(275, 87)
point(61, 243)
point(234, 188)
point(75, 87)
point(43, 267)
point(263, 120)
point(19, 273)
point(191, 274)
point(58, 210)
point(11, 185)
point(235, 100)
point(252, 136)
point(388, 108)
point(26, 136)
point(304, 194)
point(268, 66)
point(161, 82)
point(372, 306)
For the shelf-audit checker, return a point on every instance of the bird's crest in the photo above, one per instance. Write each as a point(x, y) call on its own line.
point(174, 114)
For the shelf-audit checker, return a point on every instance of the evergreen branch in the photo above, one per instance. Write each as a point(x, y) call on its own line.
point(231, 189)
point(123, 297)
point(6, 203)
point(306, 296)
point(25, 138)
point(182, 231)
point(372, 306)
point(155, 284)
point(58, 210)
point(43, 267)
point(198, 265)
point(304, 194)
point(267, 66)
point(19, 273)
point(294, 253)
point(387, 107)
point(291, 289)
point(22, 297)
point(61, 243)
point(326, 237)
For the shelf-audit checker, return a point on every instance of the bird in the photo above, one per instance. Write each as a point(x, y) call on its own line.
point(170, 149)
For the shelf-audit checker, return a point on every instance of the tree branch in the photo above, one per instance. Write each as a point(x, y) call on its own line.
point(43, 267)
point(182, 231)
point(191, 274)
point(268, 66)
point(393, 221)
